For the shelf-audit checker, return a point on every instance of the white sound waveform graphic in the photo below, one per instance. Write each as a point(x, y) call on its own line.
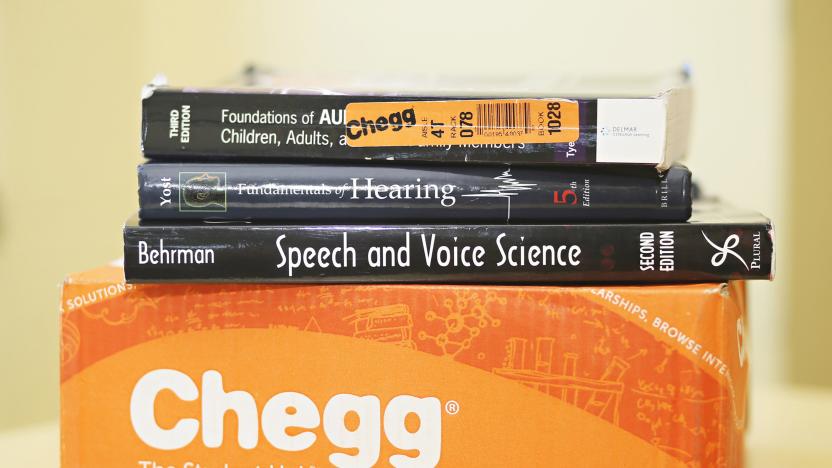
point(508, 188)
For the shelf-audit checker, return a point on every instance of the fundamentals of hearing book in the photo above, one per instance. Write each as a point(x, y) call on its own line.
point(718, 243)
point(408, 194)
point(646, 124)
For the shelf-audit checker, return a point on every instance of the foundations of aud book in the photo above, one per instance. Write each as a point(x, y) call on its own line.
point(240, 375)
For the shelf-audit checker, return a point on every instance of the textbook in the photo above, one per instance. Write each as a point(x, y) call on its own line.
point(649, 127)
point(718, 243)
point(401, 375)
point(356, 193)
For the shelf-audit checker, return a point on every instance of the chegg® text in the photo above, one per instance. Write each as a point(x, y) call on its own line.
point(289, 410)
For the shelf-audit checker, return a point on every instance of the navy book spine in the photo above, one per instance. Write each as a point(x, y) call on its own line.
point(407, 194)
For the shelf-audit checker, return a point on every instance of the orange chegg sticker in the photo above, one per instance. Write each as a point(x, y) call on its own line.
point(462, 122)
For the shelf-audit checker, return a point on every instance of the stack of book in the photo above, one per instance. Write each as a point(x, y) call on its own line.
point(470, 215)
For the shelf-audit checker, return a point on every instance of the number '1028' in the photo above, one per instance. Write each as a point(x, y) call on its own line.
point(553, 115)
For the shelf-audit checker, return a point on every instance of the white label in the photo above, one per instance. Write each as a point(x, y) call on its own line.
point(631, 130)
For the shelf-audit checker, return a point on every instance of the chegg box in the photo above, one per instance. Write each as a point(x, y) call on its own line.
point(244, 376)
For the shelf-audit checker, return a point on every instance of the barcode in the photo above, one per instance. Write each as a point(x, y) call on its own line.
point(504, 115)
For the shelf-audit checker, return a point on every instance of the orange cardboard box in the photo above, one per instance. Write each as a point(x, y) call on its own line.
point(244, 376)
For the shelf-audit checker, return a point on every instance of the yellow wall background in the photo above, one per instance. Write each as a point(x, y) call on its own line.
point(811, 154)
point(71, 73)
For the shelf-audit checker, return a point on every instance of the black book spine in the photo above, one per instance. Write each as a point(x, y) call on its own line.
point(649, 253)
point(193, 124)
point(372, 194)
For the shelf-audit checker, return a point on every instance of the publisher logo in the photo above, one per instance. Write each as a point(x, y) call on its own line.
point(202, 191)
point(624, 131)
point(722, 252)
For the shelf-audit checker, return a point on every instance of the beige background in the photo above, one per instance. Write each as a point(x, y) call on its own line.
point(71, 73)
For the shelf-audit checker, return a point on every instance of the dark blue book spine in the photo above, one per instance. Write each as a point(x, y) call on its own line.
point(376, 194)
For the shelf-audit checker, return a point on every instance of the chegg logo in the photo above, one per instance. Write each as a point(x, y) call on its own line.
point(395, 121)
point(290, 410)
